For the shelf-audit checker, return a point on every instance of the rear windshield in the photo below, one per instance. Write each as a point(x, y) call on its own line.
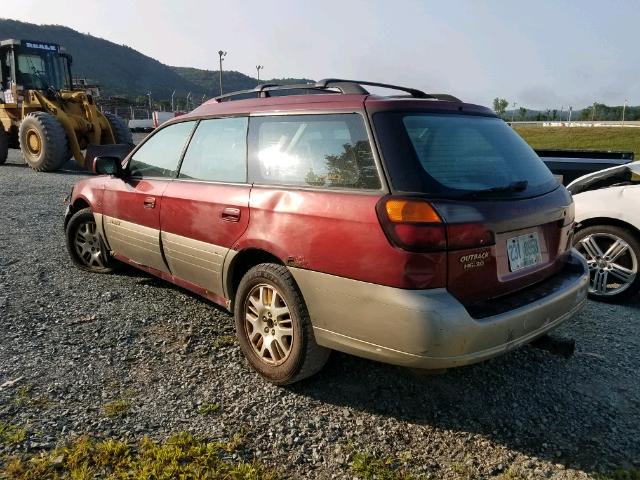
point(448, 155)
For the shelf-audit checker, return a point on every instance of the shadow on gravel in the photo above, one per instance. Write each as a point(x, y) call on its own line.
point(633, 302)
point(525, 400)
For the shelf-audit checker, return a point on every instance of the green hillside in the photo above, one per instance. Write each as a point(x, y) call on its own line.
point(232, 81)
point(122, 71)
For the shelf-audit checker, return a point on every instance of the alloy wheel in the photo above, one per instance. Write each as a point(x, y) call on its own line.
point(268, 324)
point(88, 245)
point(613, 264)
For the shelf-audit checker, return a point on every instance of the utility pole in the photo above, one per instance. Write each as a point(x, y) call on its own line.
point(188, 98)
point(513, 112)
point(172, 106)
point(150, 104)
point(593, 112)
point(221, 54)
point(258, 68)
point(570, 110)
point(624, 107)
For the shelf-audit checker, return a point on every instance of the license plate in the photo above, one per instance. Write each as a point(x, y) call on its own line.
point(523, 251)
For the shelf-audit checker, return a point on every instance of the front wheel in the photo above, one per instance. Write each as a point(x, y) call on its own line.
point(43, 142)
point(84, 244)
point(273, 326)
point(612, 254)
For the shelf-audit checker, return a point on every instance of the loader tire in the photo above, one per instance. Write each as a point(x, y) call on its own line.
point(121, 132)
point(4, 146)
point(43, 142)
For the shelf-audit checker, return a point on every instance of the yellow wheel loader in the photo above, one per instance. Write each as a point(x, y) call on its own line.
point(41, 114)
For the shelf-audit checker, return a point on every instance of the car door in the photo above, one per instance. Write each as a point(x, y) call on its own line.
point(131, 205)
point(206, 209)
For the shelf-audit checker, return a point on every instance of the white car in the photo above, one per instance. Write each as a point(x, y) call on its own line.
point(607, 207)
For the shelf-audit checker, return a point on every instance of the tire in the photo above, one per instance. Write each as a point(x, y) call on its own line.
point(43, 142)
point(121, 132)
point(609, 282)
point(289, 358)
point(4, 145)
point(86, 248)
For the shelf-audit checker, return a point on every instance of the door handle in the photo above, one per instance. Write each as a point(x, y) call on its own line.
point(230, 215)
point(150, 202)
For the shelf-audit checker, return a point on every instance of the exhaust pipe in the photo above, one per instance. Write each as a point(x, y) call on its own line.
point(564, 347)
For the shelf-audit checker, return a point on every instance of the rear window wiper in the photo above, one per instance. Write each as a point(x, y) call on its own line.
point(517, 186)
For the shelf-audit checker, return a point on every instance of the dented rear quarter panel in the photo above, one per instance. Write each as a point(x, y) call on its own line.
point(335, 232)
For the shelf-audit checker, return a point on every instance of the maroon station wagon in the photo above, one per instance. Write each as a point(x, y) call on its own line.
point(416, 230)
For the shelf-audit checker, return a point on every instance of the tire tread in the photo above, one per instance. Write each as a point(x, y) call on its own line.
point(55, 143)
point(313, 357)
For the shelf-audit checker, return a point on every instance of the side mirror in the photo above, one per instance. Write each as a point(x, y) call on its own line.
point(106, 165)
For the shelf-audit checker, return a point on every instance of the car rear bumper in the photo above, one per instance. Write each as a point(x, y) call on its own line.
point(431, 328)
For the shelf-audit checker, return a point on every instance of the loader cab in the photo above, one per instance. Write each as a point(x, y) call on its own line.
point(33, 65)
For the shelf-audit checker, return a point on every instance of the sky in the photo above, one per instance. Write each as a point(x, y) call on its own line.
point(537, 54)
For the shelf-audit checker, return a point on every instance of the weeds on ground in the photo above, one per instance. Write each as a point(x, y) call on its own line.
point(181, 456)
point(24, 398)
point(116, 408)
point(367, 466)
point(224, 341)
point(11, 434)
point(208, 409)
point(511, 474)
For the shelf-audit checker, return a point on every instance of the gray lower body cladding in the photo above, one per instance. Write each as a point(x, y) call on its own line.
point(428, 328)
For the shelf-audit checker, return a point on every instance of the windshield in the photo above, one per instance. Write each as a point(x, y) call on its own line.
point(40, 69)
point(449, 155)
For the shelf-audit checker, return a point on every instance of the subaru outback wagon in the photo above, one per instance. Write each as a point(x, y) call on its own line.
point(416, 230)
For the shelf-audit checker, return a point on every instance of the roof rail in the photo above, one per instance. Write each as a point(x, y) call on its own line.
point(326, 86)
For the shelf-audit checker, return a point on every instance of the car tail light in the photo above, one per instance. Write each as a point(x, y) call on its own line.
point(412, 225)
point(416, 226)
point(469, 235)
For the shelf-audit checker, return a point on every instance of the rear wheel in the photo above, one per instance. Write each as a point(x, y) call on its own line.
point(121, 132)
point(85, 246)
point(4, 145)
point(43, 142)
point(613, 255)
point(273, 326)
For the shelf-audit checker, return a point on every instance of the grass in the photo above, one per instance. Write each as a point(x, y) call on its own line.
point(11, 434)
point(181, 456)
point(24, 398)
point(588, 138)
point(116, 408)
point(367, 466)
point(208, 409)
point(224, 341)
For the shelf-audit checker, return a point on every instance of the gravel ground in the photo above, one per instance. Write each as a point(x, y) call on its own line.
point(80, 340)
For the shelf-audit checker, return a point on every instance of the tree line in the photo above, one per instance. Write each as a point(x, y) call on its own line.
point(595, 112)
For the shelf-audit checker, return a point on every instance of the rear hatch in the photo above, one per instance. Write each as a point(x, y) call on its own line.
point(505, 218)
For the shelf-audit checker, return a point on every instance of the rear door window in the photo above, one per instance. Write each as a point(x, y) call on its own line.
point(160, 154)
point(217, 152)
point(330, 151)
point(455, 155)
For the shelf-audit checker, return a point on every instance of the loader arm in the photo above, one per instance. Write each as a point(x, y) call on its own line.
point(77, 114)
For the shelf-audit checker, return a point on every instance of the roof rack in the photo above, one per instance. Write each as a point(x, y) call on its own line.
point(326, 86)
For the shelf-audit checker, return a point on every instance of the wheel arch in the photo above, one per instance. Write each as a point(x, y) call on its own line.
point(614, 222)
point(240, 264)
point(78, 204)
